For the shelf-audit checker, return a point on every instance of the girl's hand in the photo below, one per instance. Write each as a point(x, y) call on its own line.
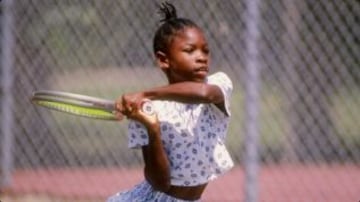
point(139, 113)
point(128, 101)
point(131, 106)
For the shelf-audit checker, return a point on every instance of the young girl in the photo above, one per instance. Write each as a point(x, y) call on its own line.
point(183, 142)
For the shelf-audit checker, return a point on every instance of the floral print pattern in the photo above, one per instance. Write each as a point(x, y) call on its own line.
point(193, 136)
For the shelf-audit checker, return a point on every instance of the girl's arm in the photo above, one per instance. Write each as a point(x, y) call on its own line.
point(187, 92)
point(157, 166)
point(157, 169)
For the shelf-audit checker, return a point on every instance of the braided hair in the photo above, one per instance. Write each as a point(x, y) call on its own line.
point(171, 25)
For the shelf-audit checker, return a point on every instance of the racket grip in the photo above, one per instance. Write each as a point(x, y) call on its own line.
point(147, 107)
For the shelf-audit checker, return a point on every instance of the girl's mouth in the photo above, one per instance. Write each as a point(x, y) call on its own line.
point(202, 69)
point(201, 72)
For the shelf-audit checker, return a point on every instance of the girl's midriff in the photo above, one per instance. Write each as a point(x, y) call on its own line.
point(186, 193)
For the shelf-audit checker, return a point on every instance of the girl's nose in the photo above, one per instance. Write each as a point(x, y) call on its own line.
point(202, 57)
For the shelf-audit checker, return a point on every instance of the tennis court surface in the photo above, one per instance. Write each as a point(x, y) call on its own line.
point(336, 183)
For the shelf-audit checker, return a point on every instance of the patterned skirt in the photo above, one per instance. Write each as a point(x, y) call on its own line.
point(144, 193)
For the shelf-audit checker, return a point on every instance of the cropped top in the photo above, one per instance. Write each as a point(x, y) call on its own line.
point(193, 136)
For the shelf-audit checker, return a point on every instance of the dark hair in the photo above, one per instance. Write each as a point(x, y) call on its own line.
point(171, 24)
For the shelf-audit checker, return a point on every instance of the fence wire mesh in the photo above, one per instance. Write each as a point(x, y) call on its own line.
point(309, 61)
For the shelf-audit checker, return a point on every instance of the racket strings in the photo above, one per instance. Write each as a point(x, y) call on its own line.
point(81, 105)
point(77, 110)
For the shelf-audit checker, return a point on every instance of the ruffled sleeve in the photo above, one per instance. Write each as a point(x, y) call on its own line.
point(221, 80)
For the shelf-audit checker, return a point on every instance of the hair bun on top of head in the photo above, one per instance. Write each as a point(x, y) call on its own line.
point(168, 11)
point(170, 25)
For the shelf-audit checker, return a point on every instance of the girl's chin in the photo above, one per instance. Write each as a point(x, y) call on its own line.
point(200, 75)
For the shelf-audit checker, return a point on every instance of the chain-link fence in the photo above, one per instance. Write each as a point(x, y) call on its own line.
point(306, 57)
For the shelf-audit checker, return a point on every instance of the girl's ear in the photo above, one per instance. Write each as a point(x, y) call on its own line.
point(162, 60)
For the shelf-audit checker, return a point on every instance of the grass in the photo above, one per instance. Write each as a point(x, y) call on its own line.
point(346, 114)
point(108, 82)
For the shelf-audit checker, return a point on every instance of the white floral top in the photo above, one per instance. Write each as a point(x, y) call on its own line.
point(193, 136)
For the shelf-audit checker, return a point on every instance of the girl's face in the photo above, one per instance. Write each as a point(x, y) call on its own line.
point(188, 56)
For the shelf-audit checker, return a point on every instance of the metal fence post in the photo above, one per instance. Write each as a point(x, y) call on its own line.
point(7, 118)
point(252, 101)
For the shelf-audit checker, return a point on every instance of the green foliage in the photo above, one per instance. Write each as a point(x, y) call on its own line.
point(346, 115)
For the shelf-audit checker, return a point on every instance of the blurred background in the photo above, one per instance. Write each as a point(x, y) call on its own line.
point(295, 65)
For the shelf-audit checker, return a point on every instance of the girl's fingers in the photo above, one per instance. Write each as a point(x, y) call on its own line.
point(119, 115)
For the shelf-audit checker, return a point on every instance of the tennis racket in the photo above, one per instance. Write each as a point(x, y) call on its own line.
point(81, 105)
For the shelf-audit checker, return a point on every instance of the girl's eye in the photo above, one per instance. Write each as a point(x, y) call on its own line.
point(188, 50)
point(206, 50)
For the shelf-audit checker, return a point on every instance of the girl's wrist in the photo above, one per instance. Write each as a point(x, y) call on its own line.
point(153, 127)
point(154, 132)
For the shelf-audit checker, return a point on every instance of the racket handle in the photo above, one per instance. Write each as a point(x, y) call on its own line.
point(147, 107)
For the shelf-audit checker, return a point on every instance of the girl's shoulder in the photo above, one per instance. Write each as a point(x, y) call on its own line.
point(219, 77)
